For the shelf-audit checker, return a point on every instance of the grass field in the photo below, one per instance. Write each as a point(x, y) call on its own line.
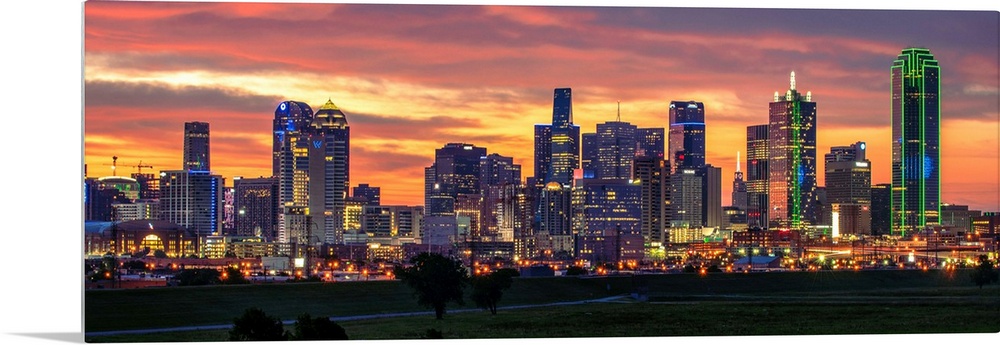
point(867, 302)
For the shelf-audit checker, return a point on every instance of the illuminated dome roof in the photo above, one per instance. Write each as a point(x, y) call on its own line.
point(329, 115)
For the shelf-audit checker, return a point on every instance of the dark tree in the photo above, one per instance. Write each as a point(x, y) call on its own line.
point(199, 276)
point(714, 269)
point(255, 325)
point(435, 279)
point(232, 275)
point(433, 334)
point(159, 254)
point(320, 328)
point(984, 272)
point(487, 289)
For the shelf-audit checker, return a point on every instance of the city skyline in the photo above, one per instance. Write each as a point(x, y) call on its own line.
point(138, 93)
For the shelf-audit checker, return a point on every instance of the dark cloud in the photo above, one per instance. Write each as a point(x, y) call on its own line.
point(158, 97)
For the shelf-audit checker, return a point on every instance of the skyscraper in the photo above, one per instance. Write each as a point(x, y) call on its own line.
point(653, 175)
point(848, 175)
point(456, 172)
point(616, 143)
point(792, 158)
point(649, 142)
point(196, 148)
point(372, 195)
point(496, 174)
point(565, 139)
point(881, 210)
point(312, 164)
point(257, 207)
point(916, 128)
point(757, 176)
point(192, 199)
point(739, 198)
point(687, 134)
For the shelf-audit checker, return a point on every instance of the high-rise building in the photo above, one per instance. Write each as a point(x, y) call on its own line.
point(312, 164)
point(686, 203)
point(456, 172)
point(792, 159)
point(739, 198)
point(496, 173)
point(848, 178)
point(565, 139)
point(192, 199)
point(616, 143)
point(687, 134)
point(372, 195)
point(196, 146)
point(711, 196)
point(959, 217)
point(149, 185)
point(757, 176)
point(653, 176)
point(916, 128)
point(649, 142)
point(385, 223)
point(881, 210)
point(588, 154)
point(257, 207)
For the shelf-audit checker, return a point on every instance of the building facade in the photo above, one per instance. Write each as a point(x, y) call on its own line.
point(757, 176)
point(916, 128)
point(196, 146)
point(792, 159)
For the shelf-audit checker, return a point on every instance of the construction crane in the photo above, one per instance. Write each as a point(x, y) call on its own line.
point(140, 166)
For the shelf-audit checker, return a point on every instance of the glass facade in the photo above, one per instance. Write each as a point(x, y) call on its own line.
point(792, 159)
point(916, 132)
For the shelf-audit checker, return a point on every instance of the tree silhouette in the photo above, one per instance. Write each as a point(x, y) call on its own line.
point(487, 289)
point(320, 328)
point(255, 325)
point(435, 279)
point(984, 272)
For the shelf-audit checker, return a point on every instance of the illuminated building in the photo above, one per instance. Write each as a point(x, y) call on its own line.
point(196, 146)
point(140, 236)
point(959, 217)
point(653, 176)
point(757, 176)
point(353, 213)
point(686, 199)
point(615, 149)
point(312, 164)
point(734, 218)
point(565, 139)
point(739, 196)
point(388, 224)
point(711, 196)
point(496, 173)
point(687, 134)
point(881, 208)
point(756, 241)
point(588, 154)
point(612, 207)
point(557, 155)
point(101, 193)
point(986, 224)
point(792, 159)
point(192, 199)
point(916, 129)
point(649, 142)
point(149, 185)
point(372, 195)
point(848, 189)
point(140, 209)
point(455, 172)
point(257, 207)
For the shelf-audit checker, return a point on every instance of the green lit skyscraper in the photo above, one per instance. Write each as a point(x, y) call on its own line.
point(792, 159)
point(916, 129)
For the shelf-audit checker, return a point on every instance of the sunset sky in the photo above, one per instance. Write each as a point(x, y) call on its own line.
point(412, 78)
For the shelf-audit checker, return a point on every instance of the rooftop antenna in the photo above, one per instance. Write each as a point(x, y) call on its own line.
point(619, 119)
point(114, 165)
point(793, 80)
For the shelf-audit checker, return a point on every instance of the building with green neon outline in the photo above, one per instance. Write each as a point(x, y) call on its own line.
point(916, 128)
point(792, 159)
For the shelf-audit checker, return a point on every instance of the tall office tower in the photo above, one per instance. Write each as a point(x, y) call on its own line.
point(192, 199)
point(848, 175)
point(312, 164)
point(687, 134)
point(612, 207)
point(196, 148)
point(881, 209)
point(757, 176)
point(916, 128)
point(565, 139)
point(257, 207)
point(588, 154)
point(554, 209)
point(653, 176)
point(686, 198)
point(649, 142)
point(291, 120)
point(792, 158)
point(739, 198)
point(228, 211)
point(616, 143)
point(514, 214)
point(331, 148)
point(711, 196)
point(372, 195)
point(543, 152)
point(456, 171)
point(496, 172)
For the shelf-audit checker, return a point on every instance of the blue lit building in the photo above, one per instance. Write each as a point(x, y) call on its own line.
point(193, 200)
point(687, 134)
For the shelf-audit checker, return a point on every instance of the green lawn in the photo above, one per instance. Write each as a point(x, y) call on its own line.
point(716, 304)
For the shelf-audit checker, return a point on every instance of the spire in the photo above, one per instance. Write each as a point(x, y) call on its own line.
point(737, 161)
point(792, 81)
point(619, 119)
